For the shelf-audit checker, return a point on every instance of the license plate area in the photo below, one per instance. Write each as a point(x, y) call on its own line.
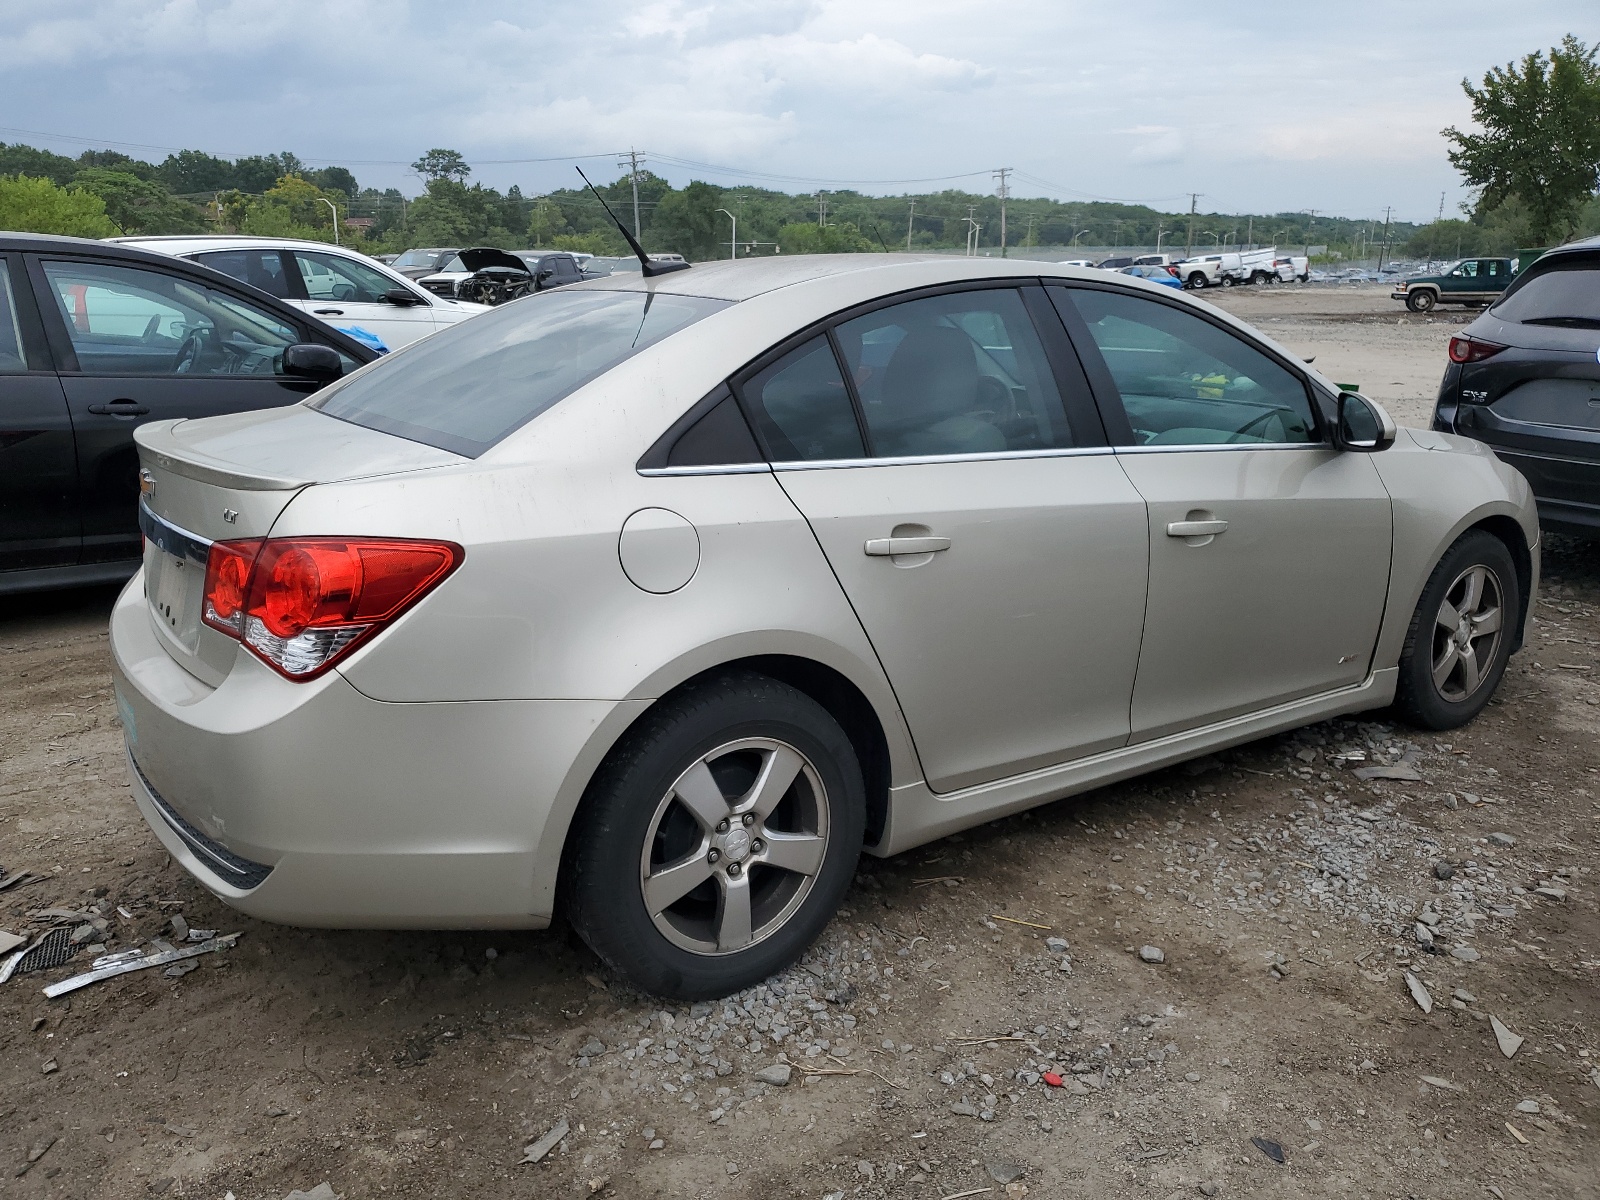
point(175, 575)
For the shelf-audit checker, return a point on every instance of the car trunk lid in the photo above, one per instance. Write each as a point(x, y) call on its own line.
point(228, 478)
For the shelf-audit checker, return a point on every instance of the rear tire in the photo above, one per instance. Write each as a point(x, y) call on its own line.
point(1197, 281)
point(672, 873)
point(1460, 636)
point(1421, 302)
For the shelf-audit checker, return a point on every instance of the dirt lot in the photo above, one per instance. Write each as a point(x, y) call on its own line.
point(1283, 891)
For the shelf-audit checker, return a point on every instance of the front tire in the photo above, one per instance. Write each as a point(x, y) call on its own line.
point(717, 840)
point(1460, 636)
point(1421, 302)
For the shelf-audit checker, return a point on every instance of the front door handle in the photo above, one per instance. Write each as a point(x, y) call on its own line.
point(1188, 529)
point(328, 312)
point(119, 408)
point(885, 547)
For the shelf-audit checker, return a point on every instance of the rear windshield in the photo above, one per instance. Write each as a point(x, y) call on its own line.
point(1561, 294)
point(466, 388)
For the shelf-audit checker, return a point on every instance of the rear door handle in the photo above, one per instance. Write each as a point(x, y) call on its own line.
point(1186, 529)
point(119, 408)
point(884, 547)
point(328, 312)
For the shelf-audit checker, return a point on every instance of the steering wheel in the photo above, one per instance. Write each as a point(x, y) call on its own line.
point(190, 352)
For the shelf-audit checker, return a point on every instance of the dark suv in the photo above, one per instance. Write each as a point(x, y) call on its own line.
point(1525, 378)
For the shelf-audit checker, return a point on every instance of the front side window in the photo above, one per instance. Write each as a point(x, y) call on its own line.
point(262, 269)
point(1183, 381)
point(466, 388)
point(1467, 270)
point(137, 321)
point(962, 373)
point(12, 359)
point(333, 277)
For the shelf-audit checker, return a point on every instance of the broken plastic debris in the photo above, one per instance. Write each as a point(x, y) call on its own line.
point(1270, 1148)
point(1053, 1079)
point(138, 964)
point(537, 1150)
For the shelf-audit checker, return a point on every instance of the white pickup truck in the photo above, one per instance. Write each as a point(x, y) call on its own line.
point(1203, 270)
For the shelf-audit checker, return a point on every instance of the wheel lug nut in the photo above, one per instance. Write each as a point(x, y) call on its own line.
point(734, 869)
point(714, 857)
point(757, 846)
point(722, 825)
point(749, 818)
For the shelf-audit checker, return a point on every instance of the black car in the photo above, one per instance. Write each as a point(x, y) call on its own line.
point(1525, 378)
point(96, 339)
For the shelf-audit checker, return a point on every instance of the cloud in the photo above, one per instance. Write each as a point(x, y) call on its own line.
point(1316, 115)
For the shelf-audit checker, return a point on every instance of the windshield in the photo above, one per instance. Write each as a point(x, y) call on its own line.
point(466, 388)
point(1564, 293)
point(419, 258)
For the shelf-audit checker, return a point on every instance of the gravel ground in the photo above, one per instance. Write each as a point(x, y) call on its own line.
point(1158, 989)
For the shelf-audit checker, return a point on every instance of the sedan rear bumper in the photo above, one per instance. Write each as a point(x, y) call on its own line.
point(311, 804)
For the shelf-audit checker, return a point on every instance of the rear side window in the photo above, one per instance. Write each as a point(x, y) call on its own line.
point(12, 359)
point(1560, 294)
point(259, 268)
point(468, 387)
point(802, 408)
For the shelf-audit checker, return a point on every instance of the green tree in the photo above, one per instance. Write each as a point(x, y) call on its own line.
point(40, 206)
point(442, 164)
point(687, 222)
point(138, 206)
point(18, 159)
point(1541, 136)
point(810, 238)
point(1446, 239)
point(190, 171)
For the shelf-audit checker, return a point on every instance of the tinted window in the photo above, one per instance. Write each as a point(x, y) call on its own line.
point(466, 388)
point(1184, 381)
point(1565, 293)
point(963, 373)
point(802, 408)
point(259, 268)
point(135, 321)
point(419, 258)
point(12, 358)
point(333, 277)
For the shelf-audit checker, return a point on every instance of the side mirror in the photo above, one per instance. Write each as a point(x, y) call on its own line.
point(402, 297)
point(307, 360)
point(1360, 425)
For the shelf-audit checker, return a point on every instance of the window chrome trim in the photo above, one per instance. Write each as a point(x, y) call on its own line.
point(916, 460)
point(719, 469)
point(1213, 447)
point(174, 539)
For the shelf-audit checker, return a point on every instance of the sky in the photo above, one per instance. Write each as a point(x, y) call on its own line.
point(1259, 106)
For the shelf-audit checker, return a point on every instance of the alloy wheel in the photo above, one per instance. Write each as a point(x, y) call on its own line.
point(734, 846)
point(1467, 632)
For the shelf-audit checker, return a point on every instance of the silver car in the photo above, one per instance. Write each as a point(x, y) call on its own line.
point(655, 601)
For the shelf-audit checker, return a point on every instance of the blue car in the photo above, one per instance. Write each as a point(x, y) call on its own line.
point(1154, 275)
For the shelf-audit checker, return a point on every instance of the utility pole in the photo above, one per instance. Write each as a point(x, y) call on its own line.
point(972, 227)
point(911, 223)
point(1250, 235)
point(1441, 206)
point(1309, 224)
point(1194, 198)
point(632, 163)
point(1384, 249)
point(1004, 192)
point(822, 210)
point(1031, 219)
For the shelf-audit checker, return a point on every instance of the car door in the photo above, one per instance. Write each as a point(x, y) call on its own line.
point(991, 546)
point(136, 343)
point(1269, 550)
point(350, 295)
point(1493, 276)
point(38, 465)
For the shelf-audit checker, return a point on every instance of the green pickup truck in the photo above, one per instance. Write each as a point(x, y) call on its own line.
point(1470, 281)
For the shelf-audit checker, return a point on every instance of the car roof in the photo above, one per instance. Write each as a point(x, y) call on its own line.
point(743, 279)
point(183, 243)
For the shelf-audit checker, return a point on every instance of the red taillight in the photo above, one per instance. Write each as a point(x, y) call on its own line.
point(1466, 349)
point(300, 603)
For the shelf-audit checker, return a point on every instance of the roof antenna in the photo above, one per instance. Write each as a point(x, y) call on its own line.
point(647, 266)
